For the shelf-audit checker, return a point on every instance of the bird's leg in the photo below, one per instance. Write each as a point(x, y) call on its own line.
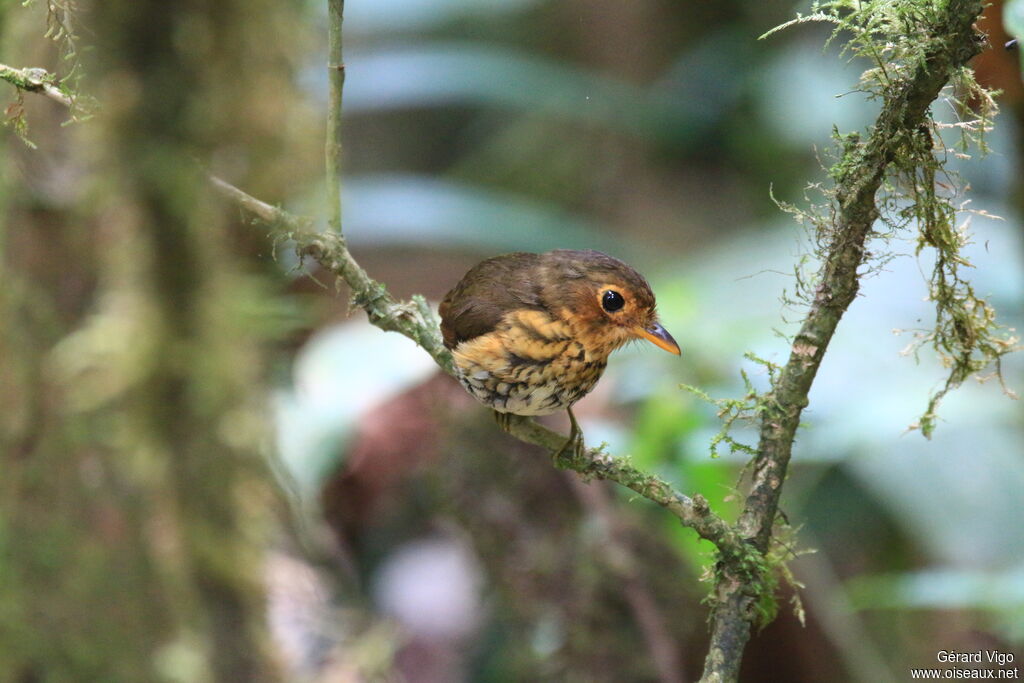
point(504, 420)
point(574, 444)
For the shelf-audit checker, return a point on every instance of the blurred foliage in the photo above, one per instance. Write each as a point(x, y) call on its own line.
point(1013, 19)
point(135, 501)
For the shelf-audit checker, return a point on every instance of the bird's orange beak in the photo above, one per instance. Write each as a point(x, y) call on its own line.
point(659, 336)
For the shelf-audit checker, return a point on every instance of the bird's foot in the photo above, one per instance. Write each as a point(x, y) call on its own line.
point(573, 448)
point(504, 420)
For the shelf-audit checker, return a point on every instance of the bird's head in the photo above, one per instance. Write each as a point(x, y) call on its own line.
point(605, 300)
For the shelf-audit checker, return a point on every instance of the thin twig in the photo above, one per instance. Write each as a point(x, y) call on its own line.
point(336, 85)
point(416, 320)
point(265, 212)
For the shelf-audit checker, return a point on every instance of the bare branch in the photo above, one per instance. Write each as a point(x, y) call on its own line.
point(416, 320)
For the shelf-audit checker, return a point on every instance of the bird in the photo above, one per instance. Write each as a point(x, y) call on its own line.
point(530, 334)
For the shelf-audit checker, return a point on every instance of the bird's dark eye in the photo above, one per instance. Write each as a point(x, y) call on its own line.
point(612, 301)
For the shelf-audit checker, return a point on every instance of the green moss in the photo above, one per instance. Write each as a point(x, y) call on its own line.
point(738, 410)
point(909, 157)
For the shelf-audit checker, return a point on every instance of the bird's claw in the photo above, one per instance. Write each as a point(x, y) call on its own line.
point(504, 420)
point(574, 447)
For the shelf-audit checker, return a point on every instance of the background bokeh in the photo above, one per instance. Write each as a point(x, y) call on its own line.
point(420, 544)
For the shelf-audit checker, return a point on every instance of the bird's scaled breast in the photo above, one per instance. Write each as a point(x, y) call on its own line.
point(530, 364)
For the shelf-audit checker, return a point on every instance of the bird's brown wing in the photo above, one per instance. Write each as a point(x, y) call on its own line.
point(486, 293)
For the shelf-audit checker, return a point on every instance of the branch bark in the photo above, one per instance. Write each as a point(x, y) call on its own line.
point(336, 86)
point(952, 43)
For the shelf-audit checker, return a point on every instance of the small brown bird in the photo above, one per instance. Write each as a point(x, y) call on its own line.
point(531, 333)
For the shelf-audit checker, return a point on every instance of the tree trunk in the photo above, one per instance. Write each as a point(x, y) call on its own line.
point(133, 498)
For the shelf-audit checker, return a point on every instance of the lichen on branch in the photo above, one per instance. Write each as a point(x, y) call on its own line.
point(919, 197)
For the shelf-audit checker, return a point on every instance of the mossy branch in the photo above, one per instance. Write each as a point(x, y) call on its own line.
point(60, 28)
point(41, 81)
point(936, 43)
point(36, 80)
point(415, 320)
